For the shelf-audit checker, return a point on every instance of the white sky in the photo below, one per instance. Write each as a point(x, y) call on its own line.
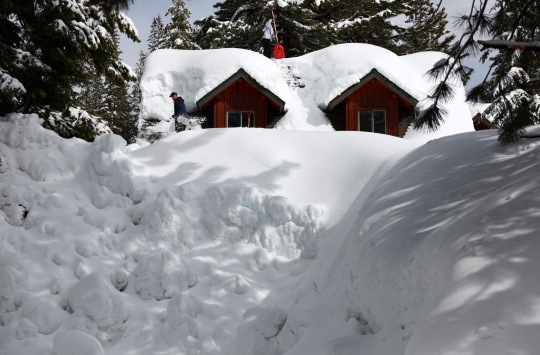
point(143, 11)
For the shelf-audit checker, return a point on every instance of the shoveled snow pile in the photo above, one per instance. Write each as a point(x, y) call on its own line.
point(324, 75)
point(252, 241)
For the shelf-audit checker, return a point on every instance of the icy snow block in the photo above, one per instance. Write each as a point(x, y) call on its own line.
point(257, 333)
point(46, 316)
point(204, 346)
point(239, 285)
point(74, 342)
point(13, 277)
point(113, 167)
point(26, 329)
point(185, 303)
point(162, 275)
point(178, 328)
point(170, 221)
point(98, 301)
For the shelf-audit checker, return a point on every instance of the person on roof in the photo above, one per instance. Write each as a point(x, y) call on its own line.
point(268, 34)
point(179, 111)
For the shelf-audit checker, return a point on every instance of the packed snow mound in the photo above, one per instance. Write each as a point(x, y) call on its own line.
point(166, 247)
point(95, 299)
point(193, 74)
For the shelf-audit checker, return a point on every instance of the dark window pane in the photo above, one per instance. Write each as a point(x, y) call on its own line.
point(233, 119)
point(379, 122)
point(247, 119)
point(365, 121)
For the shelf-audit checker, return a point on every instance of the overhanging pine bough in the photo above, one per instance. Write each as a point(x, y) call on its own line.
point(514, 46)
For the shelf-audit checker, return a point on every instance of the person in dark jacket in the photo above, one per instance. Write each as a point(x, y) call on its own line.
point(179, 111)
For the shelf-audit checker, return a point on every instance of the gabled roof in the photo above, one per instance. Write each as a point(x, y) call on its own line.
point(241, 73)
point(373, 74)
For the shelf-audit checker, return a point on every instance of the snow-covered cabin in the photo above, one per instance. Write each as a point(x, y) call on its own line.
point(375, 104)
point(240, 101)
point(355, 87)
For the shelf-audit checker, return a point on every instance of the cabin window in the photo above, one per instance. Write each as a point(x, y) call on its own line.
point(240, 119)
point(372, 121)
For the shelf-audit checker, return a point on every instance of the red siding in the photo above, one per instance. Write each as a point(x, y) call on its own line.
point(241, 96)
point(374, 95)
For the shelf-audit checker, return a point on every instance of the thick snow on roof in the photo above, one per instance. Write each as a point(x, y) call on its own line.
point(334, 69)
point(193, 74)
point(325, 74)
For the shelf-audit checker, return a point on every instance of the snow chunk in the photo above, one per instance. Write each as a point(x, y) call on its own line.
point(269, 221)
point(13, 277)
point(239, 285)
point(178, 329)
point(98, 301)
point(74, 342)
point(267, 331)
point(162, 275)
point(169, 221)
point(46, 316)
point(112, 166)
point(185, 303)
point(204, 346)
point(26, 329)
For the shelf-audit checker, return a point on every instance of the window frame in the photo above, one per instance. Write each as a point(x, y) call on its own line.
point(252, 119)
point(373, 119)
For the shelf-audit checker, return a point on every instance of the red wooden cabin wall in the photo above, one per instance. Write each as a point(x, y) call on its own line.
point(240, 96)
point(372, 96)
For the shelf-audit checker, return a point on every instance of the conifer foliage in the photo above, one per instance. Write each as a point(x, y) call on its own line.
point(307, 26)
point(47, 50)
point(511, 84)
point(179, 32)
point(156, 39)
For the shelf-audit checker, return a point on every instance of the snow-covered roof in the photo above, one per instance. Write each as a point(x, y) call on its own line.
point(325, 75)
point(193, 74)
point(335, 69)
point(241, 73)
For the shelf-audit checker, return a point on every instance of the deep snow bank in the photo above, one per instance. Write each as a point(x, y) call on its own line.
point(165, 249)
point(441, 258)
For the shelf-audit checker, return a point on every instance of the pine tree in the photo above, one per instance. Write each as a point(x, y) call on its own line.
point(426, 30)
point(156, 39)
point(135, 98)
point(116, 109)
point(511, 83)
point(47, 51)
point(179, 32)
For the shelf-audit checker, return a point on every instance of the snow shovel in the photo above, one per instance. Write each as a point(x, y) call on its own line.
point(279, 51)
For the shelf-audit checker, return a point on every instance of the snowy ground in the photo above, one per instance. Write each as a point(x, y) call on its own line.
point(248, 241)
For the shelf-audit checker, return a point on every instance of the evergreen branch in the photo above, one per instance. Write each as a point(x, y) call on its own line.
point(430, 118)
point(507, 44)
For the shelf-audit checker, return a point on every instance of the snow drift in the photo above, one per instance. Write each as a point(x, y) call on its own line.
point(246, 241)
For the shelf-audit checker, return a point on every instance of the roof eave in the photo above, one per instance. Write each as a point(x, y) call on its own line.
point(241, 73)
point(373, 74)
